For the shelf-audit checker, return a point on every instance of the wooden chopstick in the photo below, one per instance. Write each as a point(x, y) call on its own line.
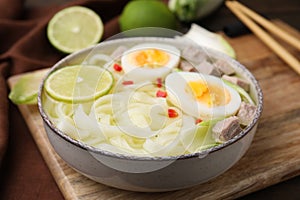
point(264, 36)
point(269, 26)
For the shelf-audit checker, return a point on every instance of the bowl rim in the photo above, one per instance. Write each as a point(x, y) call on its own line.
point(199, 154)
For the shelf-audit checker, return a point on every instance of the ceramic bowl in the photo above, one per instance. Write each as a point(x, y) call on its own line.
point(151, 174)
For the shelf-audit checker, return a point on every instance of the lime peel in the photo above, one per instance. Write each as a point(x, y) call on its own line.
point(25, 91)
point(147, 13)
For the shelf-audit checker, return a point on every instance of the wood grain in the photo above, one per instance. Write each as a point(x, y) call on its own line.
point(273, 156)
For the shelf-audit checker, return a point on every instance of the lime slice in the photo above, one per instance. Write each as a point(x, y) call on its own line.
point(25, 90)
point(78, 83)
point(74, 28)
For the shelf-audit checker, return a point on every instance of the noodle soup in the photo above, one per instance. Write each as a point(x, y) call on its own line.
point(178, 122)
point(163, 100)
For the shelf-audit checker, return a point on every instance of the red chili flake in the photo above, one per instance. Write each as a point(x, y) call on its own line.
point(117, 67)
point(198, 121)
point(159, 82)
point(161, 93)
point(172, 113)
point(127, 82)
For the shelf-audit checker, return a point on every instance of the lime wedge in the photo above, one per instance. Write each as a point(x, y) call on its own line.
point(74, 28)
point(25, 90)
point(78, 83)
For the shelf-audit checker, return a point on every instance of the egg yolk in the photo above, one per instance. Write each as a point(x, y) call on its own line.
point(210, 95)
point(152, 58)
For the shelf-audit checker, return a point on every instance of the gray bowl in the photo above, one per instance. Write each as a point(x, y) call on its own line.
point(151, 174)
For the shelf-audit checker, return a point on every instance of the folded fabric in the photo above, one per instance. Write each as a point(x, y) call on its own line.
point(24, 45)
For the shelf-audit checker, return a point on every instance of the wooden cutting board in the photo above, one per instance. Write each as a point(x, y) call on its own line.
point(273, 156)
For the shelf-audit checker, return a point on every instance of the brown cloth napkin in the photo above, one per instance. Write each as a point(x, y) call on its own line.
point(25, 47)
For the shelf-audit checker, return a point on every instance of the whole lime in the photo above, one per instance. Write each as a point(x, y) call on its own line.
point(147, 13)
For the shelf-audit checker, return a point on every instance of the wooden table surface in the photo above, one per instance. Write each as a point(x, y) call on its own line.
point(25, 175)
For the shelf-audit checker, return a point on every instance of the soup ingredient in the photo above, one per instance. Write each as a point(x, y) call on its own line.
point(127, 82)
point(150, 61)
point(237, 81)
point(198, 121)
point(74, 28)
point(161, 93)
point(172, 113)
point(25, 91)
point(147, 13)
point(245, 95)
point(208, 68)
point(117, 67)
point(159, 83)
point(193, 54)
point(191, 10)
point(202, 96)
point(224, 67)
point(226, 129)
point(78, 83)
point(204, 37)
point(246, 113)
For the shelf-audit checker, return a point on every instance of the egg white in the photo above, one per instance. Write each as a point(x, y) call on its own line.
point(140, 73)
point(176, 84)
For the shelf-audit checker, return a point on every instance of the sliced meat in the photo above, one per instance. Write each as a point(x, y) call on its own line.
point(193, 55)
point(224, 67)
point(226, 129)
point(186, 66)
point(246, 113)
point(207, 68)
point(238, 81)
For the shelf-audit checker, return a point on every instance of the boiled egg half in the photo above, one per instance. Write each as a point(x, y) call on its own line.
point(149, 61)
point(202, 96)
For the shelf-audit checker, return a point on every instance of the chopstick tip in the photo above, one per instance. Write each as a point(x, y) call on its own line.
point(229, 2)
